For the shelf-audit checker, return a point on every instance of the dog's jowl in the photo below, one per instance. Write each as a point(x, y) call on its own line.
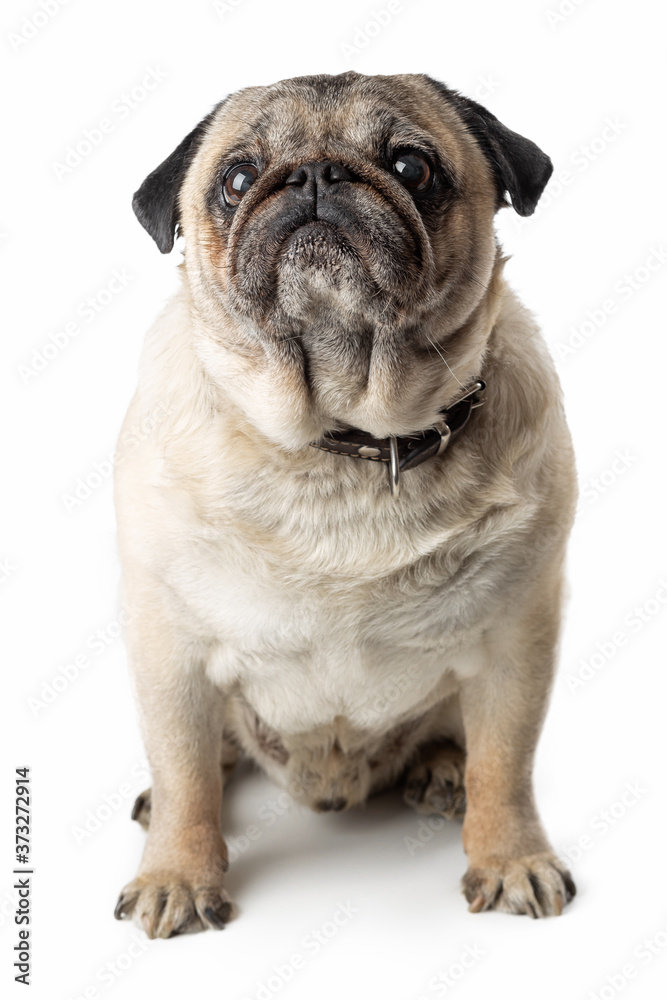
point(343, 541)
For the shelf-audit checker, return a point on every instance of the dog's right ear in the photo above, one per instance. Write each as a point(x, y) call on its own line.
point(519, 166)
point(155, 204)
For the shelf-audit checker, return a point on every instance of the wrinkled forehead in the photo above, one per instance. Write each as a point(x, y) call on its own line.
point(325, 116)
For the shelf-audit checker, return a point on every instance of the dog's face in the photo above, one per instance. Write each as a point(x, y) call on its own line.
point(340, 230)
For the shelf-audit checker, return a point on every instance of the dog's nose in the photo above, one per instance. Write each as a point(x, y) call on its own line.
point(319, 173)
point(325, 805)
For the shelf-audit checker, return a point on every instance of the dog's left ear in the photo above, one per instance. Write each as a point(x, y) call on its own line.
point(520, 167)
point(155, 204)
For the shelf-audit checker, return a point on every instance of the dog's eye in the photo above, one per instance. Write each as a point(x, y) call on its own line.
point(238, 181)
point(413, 171)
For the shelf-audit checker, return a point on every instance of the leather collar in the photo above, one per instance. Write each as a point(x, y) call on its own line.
point(404, 453)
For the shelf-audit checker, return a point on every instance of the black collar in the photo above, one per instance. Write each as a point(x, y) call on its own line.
point(404, 453)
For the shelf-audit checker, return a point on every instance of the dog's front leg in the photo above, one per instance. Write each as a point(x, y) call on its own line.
point(179, 887)
point(512, 866)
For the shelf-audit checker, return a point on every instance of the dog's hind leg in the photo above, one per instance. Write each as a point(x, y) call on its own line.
point(435, 780)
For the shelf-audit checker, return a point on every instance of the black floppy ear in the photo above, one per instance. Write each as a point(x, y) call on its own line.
point(519, 165)
point(155, 204)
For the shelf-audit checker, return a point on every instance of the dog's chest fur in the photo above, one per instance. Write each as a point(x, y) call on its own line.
point(328, 599)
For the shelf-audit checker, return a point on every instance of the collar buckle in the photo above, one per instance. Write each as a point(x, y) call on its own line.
point(404, 453)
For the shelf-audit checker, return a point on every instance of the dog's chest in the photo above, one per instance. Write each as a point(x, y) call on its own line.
point(322, 615)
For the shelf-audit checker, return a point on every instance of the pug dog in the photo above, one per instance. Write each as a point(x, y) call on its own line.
point(342, 540)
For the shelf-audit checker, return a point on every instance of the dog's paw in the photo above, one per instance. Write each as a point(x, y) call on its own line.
point(436, 785)
point(538, 885)
point(165, 906)
point(141, 810)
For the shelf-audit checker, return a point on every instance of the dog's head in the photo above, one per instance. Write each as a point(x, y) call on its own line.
point(339, 234)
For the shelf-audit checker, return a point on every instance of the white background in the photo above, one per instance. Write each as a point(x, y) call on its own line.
point(558, 81)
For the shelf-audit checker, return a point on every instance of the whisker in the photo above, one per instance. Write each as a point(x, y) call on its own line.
point(444, 359)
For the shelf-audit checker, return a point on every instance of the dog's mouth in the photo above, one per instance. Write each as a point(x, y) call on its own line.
point(319, 266)
point(317, 242)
